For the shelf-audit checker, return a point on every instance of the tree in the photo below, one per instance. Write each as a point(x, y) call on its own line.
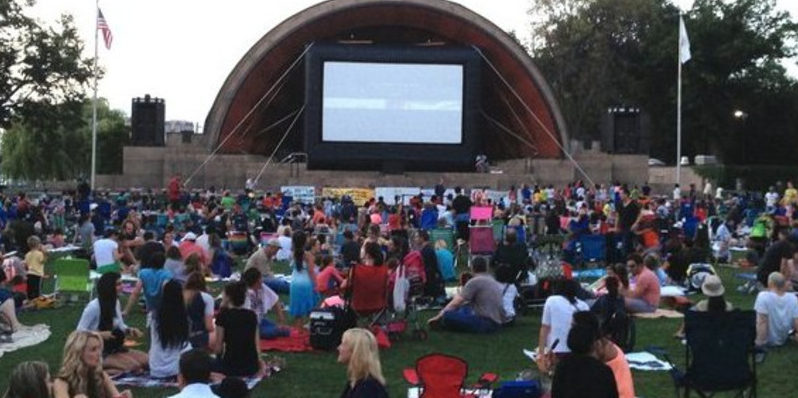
point(600, 53)
point(38, 63)
point(56, 144)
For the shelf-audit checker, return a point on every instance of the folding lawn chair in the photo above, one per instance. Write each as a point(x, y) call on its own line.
point(444, 234)
point(594, 249)
point(720, 354)
point(72, 276)
point(443, 376)
point(368, 294)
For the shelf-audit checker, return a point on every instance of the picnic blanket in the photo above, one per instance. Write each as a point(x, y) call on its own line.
point(660, 313)
point(26, 337)
point(645, 361)
point(144, 380)
point(297, 341)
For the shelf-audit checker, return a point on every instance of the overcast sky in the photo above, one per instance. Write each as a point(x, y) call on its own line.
point(183, 50)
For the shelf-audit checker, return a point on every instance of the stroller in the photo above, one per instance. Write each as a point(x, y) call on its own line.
point(405, 313)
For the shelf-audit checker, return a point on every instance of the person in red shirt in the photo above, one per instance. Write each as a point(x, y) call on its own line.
point(174, 189)
point(189, 246)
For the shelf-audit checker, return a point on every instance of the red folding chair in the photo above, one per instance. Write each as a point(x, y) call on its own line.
point(368, 295)
point(443, 376)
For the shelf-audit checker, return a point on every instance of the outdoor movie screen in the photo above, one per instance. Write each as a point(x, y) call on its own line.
point(405, 103)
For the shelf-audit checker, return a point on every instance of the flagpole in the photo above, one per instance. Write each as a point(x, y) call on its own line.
point(679, 107)
point(94, 102)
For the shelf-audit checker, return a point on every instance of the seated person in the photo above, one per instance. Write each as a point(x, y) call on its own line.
point(237, 337)
point(195, 375)
point(445, 260)
point(30, 379)
point(151, 279)
point(478, 308)
point(261, 299)
point(556, 323)
point(611, 303)
point(583, 364)
point(263, 259)
point(776, 313)
point(199, 309)
point(104, 316)
point(328, 279)
point(81, 373)
point(8, 314)
point(644, 297)
point(512, 252)
point(607, 352)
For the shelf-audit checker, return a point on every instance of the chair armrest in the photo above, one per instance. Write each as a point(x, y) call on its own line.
point(411, 376)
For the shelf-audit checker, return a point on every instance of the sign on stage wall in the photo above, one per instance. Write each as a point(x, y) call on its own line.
point(428, 192)
point(389, 193)
point(302, 194)
point(358, 195)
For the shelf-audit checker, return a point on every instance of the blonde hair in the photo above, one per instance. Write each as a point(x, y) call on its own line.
point(365, 359)
point(33, 241)
point(73, 368)
point(440, 244)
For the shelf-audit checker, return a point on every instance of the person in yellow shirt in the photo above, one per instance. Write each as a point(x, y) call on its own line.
point(790, 194)
point(34, 260)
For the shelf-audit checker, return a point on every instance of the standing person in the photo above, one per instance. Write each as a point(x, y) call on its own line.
point(461, 204)
point(81, 373)
point(237, 339)
point(303, 276)
point(85, 232)
point(169, 332)
point(627, 216)
point(199, 309)
point(173, 190)
point(646, 293)
point(262, 260)
point(195, 375)
point(434, 286)
point(34, 260)
point(359, 352)
point(104, 316)
point(30, 379)
point(558, 312)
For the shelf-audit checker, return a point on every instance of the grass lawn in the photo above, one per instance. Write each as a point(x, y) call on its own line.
point(318, 374)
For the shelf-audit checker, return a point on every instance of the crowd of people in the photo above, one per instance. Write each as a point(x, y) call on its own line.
point(173, 239)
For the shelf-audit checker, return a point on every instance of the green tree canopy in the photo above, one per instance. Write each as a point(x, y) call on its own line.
point(56, 144)
point(38, 63)
point(602, 53)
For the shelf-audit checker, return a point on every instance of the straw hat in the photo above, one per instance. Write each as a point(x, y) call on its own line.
point(712, 286)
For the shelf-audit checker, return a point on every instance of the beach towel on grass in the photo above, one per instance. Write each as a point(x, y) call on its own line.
point(660, 313)
point(29, 336)
point(144, 380)
point(297, 341)
point(637, 360)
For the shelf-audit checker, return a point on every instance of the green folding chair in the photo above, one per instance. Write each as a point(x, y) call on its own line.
point(498, 230)
point(445, 234)
point(72, 276)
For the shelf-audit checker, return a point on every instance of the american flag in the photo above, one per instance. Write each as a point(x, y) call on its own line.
point(102, 25)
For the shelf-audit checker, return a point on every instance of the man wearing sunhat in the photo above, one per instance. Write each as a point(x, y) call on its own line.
point(262, 260)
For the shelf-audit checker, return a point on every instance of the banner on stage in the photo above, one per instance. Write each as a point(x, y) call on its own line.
point(358, 195)
point(300, 193)
point(389, 194)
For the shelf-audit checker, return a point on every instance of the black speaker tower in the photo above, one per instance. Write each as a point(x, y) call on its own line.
point(147, 120)
point(625, 130)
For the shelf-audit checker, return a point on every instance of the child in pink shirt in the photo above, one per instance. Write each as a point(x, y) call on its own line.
point(328, 272)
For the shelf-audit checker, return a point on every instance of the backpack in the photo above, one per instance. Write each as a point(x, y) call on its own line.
point(621, 329)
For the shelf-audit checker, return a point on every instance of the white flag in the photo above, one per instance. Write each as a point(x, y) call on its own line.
point(684, 43)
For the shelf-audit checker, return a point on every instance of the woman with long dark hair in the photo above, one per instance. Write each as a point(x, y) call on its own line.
point(104, 316)
point(302, 292)
point(199, 308)
point(169, 332)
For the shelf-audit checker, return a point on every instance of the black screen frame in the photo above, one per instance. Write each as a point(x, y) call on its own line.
point(382, 155)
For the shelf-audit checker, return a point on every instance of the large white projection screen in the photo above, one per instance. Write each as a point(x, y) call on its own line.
point(392, 103)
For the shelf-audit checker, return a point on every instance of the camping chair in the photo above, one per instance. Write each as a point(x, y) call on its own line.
point(72, 276)
point(444, 234)
point(443, 376)
point(719, 354)
point(368, 294)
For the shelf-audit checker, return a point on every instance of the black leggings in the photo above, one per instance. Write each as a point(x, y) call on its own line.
point(34, 284)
